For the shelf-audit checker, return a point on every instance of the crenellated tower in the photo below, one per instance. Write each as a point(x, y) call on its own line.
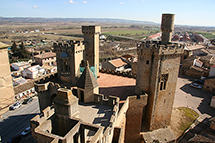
point(69, 56)
point(91, 41)
point(158, 64)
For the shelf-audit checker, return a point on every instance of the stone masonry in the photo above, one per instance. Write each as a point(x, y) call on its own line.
point(6, 85)
point(158, 63)
point(91, 40)
point(72, 54)
point(69, 56)
point(158, 66)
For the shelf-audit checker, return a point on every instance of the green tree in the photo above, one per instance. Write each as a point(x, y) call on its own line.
point(13, 47)
point(23, 53)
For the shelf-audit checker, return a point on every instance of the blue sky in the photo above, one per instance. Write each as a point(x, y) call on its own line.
point(187, 12)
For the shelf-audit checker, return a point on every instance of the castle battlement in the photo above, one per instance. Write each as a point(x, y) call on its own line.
point(91, 29)
point(42, 87)
point(74, 45)
point(156, 47)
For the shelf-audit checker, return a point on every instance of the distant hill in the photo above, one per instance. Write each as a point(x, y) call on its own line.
point(42, 20)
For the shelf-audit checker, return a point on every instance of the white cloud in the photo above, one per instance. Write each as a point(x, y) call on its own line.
point(85, 2)
point(121, 3)
point(71, 1)
point(35, 7)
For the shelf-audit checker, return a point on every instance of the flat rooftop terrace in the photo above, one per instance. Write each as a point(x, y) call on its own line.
point(119, 86)
point(95, 113)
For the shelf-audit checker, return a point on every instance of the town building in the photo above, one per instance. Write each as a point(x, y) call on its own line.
point(50, 69)
point(152, 37)
point(186, 37)
point(24, 90)
point(209, 85)
point(33, 72)
point(46, 58)
point(20, 66)
point(113, 65)
point(19, 81)
point(176, 37)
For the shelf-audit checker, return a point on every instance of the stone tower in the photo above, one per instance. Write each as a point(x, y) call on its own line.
point(91, 41)
point(6, 85)
point(69, 56)
point(158, 64)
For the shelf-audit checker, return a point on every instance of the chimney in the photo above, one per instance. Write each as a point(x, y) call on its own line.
point(167, 26)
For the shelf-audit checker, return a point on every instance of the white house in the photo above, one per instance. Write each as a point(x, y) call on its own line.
point(24, 90)
point(50, 69)
point(20, 66)
point(19, 81)
point(33, 72)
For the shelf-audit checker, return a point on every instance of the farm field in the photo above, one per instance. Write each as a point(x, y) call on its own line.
point(8, 38)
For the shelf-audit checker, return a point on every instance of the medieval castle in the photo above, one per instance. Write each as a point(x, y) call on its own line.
point(73, 111)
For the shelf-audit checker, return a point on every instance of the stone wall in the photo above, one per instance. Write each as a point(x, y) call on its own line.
point(74, 50)
point(46, 93)
point(6, 86)
point(91, 39)
point(134, 118)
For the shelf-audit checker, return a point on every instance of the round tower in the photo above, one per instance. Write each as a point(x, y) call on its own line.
point(167, 26)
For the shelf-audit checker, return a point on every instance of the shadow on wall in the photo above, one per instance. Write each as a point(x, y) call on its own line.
point(14, 125)
point(204, 106)
point(104, 113)
point(105, 118)
point(121, 91)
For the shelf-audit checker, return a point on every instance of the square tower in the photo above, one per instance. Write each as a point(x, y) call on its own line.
point(91, 41)
point(158, 64)
point(69, 56)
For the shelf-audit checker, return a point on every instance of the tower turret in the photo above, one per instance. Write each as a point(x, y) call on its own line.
point(91, 40)
point(158, 64)
point(167, 26)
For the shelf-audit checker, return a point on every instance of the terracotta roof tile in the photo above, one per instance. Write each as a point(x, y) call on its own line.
point(46, 55)
point(23, 87)
point(117, 62)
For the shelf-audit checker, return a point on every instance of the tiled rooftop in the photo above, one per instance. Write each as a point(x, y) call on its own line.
point(117, 62)
point(116, 85)
point(46, 55)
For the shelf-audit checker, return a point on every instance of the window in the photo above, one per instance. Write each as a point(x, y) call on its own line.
point(147, 62)
point(163, 81)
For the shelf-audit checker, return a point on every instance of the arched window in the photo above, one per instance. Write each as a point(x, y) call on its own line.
point(163, 81)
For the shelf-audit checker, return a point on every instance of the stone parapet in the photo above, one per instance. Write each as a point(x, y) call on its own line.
point(44, 86)
point(91, 29)
point(156, 47)
point(72, 45)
